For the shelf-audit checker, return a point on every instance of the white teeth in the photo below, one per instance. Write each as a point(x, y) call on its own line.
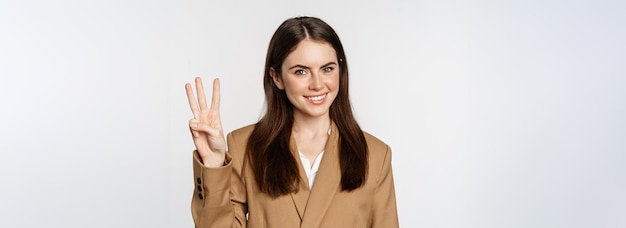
point(317, 98)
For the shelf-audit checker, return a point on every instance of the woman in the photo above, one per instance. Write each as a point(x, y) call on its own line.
point(306, 163)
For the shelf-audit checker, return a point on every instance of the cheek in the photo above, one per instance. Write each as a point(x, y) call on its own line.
point(294, 90)
point(333, 82)
point(293, 85)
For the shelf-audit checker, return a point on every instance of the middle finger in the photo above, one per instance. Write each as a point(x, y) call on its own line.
point(201, 96)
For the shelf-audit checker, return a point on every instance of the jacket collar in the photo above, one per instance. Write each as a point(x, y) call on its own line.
point(312, 204)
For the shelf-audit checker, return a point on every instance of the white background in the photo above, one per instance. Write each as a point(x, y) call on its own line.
point(499, 113)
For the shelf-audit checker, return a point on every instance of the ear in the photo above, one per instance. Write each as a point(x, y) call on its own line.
point(278, 81)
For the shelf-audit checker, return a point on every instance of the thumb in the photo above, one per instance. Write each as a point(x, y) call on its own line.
point(196, 126)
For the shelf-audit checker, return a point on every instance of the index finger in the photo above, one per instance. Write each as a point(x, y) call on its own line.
point(215, 100)
point(192, 101)
point(201, 96)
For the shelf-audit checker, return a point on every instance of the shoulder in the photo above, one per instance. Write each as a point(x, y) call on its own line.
point(378, 151)
point(375, 145)
point(242, 132)
point(238, 139)
point(379, 157)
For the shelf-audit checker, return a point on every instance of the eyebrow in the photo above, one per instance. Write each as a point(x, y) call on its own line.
point(306, 67)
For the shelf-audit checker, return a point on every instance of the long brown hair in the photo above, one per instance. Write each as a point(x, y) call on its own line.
point(275, 168)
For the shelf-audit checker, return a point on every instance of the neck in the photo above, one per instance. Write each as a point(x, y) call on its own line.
point(311, 126)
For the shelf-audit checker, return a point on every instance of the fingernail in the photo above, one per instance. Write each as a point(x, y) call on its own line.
point(194, 125)
point(195, 134)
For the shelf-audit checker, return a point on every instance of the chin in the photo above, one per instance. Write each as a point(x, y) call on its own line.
point(311, 113)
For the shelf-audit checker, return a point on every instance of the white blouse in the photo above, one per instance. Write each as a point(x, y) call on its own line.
point(311, 170)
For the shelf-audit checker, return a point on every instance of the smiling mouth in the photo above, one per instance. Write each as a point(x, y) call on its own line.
point(316, 98)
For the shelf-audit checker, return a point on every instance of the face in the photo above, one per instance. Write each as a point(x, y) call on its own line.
point(310, 78)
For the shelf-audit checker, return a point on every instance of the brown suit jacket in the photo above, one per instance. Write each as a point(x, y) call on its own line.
point(229, 197)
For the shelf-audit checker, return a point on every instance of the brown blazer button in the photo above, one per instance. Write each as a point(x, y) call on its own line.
point(199, 188)
point(200, 196)
point(199, 181)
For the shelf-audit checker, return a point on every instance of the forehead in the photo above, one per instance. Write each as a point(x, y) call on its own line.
point(311, 53)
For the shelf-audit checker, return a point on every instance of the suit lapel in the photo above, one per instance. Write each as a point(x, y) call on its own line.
point(301, 197)
point(326, 182)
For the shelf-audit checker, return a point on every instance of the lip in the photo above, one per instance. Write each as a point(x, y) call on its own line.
point(317, 99)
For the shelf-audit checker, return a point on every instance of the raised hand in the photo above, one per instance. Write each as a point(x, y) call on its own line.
point(206, 126)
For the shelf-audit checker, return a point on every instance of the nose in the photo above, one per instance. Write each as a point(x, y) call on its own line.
point(316, 82)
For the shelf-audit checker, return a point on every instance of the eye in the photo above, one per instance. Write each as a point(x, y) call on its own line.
point(300, 72)
point(328, 69)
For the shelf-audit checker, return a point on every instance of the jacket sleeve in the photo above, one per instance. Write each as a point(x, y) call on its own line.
point(384, 211)
point(219, 197)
